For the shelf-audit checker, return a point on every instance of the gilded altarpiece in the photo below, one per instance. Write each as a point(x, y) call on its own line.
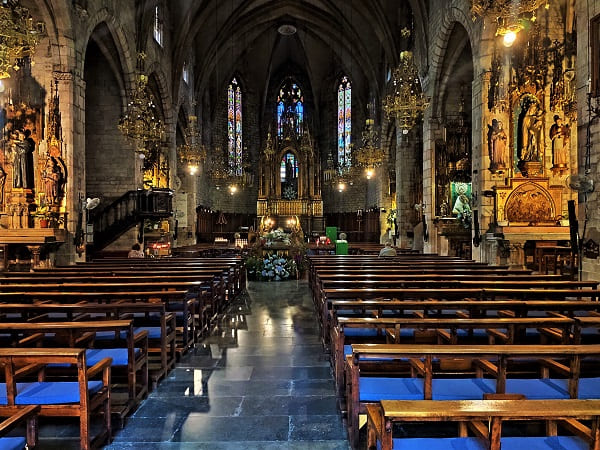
point(531, 112)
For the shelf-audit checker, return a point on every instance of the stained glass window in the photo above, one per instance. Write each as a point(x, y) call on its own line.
point(234, 127)
point(186, 73)
point(158, 26)
point(344, 122)
point(290, 108)
point(289, 167)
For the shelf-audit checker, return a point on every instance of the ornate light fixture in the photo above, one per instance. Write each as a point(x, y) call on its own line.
point(406, 102)
point(338, 176)
point(192, 153)
point(511, 15)
point(19, 36)
point(141, 124)
point(505, 8)
point(369, 155)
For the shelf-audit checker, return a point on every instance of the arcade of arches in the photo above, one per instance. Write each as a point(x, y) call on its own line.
point(276, 95)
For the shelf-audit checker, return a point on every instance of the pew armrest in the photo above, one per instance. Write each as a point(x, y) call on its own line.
point(101, 366)
point(577, 428)
point(31, 339)
point(486, 366)
point(14, 420)
point(556, 366)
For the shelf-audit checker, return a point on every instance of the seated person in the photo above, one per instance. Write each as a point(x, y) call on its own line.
point(388, 250)
point(136, 251)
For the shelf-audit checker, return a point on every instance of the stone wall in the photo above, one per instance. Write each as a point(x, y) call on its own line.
point(586, 10)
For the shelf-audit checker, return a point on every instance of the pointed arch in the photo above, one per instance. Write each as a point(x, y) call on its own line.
point(290, 107)
point(344, 121)
point(234, 126)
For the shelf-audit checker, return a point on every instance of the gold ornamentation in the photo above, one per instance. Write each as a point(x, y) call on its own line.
point(369, 155)
point(406, 102)
point(19, 36)
point(529, 203)
point(191, 152)
point(141, 123)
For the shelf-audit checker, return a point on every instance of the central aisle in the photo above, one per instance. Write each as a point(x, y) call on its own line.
point(261, 382)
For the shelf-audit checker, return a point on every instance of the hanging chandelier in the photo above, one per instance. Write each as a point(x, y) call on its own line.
point(141, 124)
point(506, 8)
point(339, 176)
point(370, 155)
point(511, 16)
point(406, 102)
point(192, 153)
point(19, 36)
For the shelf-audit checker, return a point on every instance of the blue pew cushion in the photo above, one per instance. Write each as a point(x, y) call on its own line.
point(376, 388)
point(12, 443)
point(589, 388)
point(153, 332)
point(537, 389)
point(119, 355)
point(360, 332)
point(48, 393)
point(461, 388)
point(468, 443)
point(544, 443)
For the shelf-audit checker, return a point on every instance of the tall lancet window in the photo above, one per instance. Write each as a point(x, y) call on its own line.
point(344, 122)
point(234, 127)
point(290, 109)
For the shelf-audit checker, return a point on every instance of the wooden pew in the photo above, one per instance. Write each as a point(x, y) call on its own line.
point(389, 329)
point(188, 310)
point(478, 414)
point(79, 396)
point(131, 355)
point(28, 415)
point(152, 317)
point(421, 358)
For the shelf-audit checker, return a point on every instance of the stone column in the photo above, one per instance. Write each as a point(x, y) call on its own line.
point(405, 164)
point(430, 129)
point(72, 107)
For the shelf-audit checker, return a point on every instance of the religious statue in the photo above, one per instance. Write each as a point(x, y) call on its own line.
point(23, 161)
point(462, 205)
point(531, 133)
point(560, 135)
point(497, 146)
point(2, 182)
point(53, 177)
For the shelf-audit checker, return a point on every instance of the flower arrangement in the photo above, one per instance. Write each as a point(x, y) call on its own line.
point(277, 268)
point(270, 268)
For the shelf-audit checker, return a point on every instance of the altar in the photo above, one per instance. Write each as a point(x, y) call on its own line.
point(289, 169)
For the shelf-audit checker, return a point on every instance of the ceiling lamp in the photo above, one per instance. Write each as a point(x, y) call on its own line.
point(192, 153)
point(512, 16)
point(406, 102)
point(19, 36)
point(338, 176)
point(141, 123)
point(369, 155)
point(506, 8)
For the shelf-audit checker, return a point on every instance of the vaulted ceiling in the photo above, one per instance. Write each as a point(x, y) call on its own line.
point(361, 39)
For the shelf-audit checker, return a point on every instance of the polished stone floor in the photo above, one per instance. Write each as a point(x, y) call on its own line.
point(261, 381)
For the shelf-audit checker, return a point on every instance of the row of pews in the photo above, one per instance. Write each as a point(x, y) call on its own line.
point(416, 339)
point(95, 338)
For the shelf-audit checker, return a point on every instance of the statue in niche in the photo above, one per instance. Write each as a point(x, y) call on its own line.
point(53, 180)
point(2, 182)
point(560, 135)
point(531, 133)
point(462, 205)
point(497, 147)
point(23, 147)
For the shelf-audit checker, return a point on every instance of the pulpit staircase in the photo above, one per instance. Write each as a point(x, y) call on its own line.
point(127, 211)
